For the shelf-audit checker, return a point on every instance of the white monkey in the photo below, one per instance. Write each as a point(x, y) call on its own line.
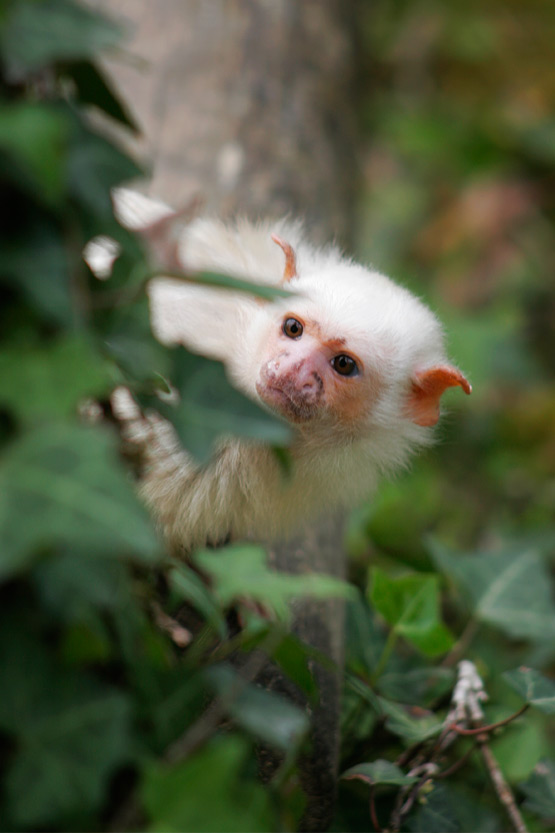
point(355, 363)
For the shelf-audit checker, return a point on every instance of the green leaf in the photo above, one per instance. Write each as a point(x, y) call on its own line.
point(411, 723)
point(435, 814)
point(71, 733)
point(410, 604)
point(509, 589)
point(268, 716)
point(48, 383)
point(241, 572)
point(191, 587)
point(35, 136)
point(34, 34)
point(47, 288)
point(539, 790)
point(92, 88)
point(72, 584)
point(379, 772)
point(536, 689)
point(268, 293)
point(425, 684)
point(94, 167)
point(69, 481)
point(293, 657)
point(210, 407)
point(207, 792)
point(365, 640)
point(128, 339)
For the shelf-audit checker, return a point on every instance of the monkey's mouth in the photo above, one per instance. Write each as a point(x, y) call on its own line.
point(288, 401)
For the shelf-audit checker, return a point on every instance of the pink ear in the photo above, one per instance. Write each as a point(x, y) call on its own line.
point(426, 390)
point(290, 270)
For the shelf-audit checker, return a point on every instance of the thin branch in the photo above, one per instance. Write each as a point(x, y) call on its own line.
point(461, 646)
point(208, 723)
point(468, 696)
point(502, 789)
point(484, 730)
point(373, 814)
point(445, 773)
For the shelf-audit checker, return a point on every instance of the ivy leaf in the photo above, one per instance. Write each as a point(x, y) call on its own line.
point(190, 587)
point(207, 792)
point(35, 136)
point(47, 288)
point(128, 338)
point(510, 589)
point(536, 689)
point(251, 578)
point(292, 655)
point(425, 684)
point(210, 407)
point(539, 790)
point(50, 382)
point(72, 584)
point(69, 481)
point(92, 88)
point(70, 732)
point(365, 639)
point(266, 715)
point(411, 723)
point(379, 772)
point(35, 34)
point(437, 814)
point(410, 604)
point(94, 167)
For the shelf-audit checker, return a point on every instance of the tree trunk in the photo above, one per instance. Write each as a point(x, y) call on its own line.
point(248, 103)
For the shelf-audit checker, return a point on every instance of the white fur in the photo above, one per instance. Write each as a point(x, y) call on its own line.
point(242, 491)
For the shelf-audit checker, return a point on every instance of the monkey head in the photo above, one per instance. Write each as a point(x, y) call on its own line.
point(349, 350)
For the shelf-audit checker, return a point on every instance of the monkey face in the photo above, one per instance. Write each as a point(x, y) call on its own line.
point(306, 377)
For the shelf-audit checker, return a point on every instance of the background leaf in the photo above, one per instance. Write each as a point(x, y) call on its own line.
point(71, 733)
point(534, 687)
point(35, 33)
point(539, 790)
point(509, 589)
point(379, 772)
point(251, 578)
point(250, 706)
point(68, 479)
point(50, 383)
point(410, 604)
point(176, 798)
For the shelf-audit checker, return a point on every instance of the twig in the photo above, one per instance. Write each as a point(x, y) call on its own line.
point(484, 730)
point(373, 814)
point(445, 773)
point(467, 698)
point(502, 789)
point(408, 795)
point(460, 647)
point(207, 724)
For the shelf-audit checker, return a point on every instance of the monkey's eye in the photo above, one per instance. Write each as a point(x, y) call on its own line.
point(292, 328)
point(344, 365)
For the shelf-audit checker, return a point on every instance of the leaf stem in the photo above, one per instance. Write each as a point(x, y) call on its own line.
point(483, 730)
point(373, 814)
point(502, 789)
point(385, 656)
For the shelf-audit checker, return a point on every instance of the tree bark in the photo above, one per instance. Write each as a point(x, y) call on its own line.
point(249, 104)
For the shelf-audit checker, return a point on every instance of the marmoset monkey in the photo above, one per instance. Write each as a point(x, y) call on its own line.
point(352, 361)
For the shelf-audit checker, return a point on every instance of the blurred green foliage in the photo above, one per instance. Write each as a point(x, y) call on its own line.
point(104, 686)
point(458, 203)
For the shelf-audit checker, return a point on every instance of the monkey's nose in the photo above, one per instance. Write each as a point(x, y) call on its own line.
point(313, 383)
